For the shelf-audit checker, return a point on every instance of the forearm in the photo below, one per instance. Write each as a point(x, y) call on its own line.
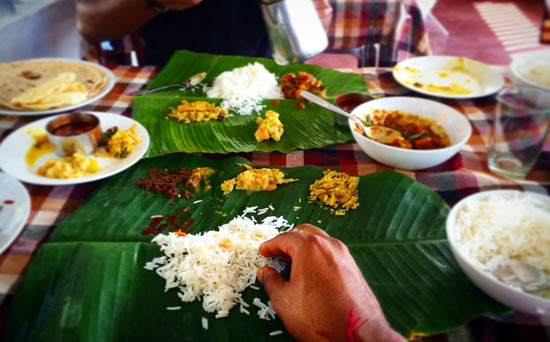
point(100, 20)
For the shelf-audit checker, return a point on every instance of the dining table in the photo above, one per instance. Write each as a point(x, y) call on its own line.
point(464, 174)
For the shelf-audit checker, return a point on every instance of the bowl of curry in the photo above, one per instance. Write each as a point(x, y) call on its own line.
point(410, 133)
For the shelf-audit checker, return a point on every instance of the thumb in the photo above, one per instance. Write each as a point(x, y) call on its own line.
point(271, 280)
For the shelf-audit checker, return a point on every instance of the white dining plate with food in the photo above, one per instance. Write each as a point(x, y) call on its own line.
point(448, 77)
point(15, 207)
point(26, 150)
point(51, 85)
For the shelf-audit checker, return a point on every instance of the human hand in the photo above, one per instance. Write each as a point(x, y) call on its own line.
point(325, 12)
point(326, 297)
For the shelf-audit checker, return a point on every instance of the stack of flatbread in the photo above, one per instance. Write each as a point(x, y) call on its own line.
point(47, 84)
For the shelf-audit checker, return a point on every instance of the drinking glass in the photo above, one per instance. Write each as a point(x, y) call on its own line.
point(519, 131)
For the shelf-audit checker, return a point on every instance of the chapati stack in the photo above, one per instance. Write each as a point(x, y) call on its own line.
point(46, 84)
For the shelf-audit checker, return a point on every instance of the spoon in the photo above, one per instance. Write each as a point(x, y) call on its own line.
point(325, 104)
point(381, 134)
point(190, 82)
point(529, 278)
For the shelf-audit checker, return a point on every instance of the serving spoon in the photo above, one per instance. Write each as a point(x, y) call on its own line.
point(190, 82)
point(529, 278)
point(376, 133)
point(325, 104)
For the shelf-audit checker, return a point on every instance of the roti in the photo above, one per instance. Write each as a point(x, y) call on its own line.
point(17, 78)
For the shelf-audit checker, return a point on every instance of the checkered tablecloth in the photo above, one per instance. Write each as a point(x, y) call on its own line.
point(395, 27)
point(464, 174)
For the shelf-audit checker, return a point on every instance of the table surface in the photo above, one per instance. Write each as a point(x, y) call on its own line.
point(464, 174)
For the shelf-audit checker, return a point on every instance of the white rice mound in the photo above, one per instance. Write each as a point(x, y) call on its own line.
point(243, 89)
point(496, 229)
point(216, 266)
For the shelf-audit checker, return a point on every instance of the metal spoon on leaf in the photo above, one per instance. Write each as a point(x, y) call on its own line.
point(190, 82)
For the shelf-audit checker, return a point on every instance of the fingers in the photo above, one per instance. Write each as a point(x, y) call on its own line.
point(286, 244)
point(272, 281)
point(281, 245)
point(310, 229)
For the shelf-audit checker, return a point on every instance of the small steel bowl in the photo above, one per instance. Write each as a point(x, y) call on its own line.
point(75, 132)
point(348, 102)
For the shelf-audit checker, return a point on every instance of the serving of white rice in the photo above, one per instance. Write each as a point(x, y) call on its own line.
point(495, 229)
point(218, 265)
point(243, 89)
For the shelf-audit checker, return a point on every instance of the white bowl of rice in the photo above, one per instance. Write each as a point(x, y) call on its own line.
point(494, 227)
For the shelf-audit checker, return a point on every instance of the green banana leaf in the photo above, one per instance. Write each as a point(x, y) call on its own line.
point(88, 282)
point(312, 127)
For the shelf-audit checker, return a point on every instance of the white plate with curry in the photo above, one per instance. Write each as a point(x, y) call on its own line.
point(27, 149)
point(448, 77)
point(51, 85)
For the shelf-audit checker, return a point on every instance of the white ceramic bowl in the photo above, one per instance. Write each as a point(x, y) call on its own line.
point(456, 125)
point(521, 64)
point(506, 294)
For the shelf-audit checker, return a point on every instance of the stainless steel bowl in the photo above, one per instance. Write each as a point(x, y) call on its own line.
point(75, 132)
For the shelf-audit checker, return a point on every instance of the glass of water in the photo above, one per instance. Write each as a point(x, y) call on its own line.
point(520, 129)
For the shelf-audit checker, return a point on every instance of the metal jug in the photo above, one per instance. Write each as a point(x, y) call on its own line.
point(295, 30)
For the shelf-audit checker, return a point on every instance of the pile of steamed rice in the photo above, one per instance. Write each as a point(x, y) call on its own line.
point(218, 265)
point(243, 89)
point(496, 229)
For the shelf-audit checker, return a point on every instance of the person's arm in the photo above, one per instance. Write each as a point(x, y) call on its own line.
point(325, 12)
point(100, 20)
point(326, 297)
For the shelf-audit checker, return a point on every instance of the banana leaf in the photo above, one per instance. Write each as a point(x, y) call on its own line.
point(88, 281)
point(312, 127)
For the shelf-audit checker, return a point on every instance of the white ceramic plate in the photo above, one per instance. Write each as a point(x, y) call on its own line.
point(458, 73)
point(105, 89)
point(456, 125)
point(16, 145)
point(15, 206)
